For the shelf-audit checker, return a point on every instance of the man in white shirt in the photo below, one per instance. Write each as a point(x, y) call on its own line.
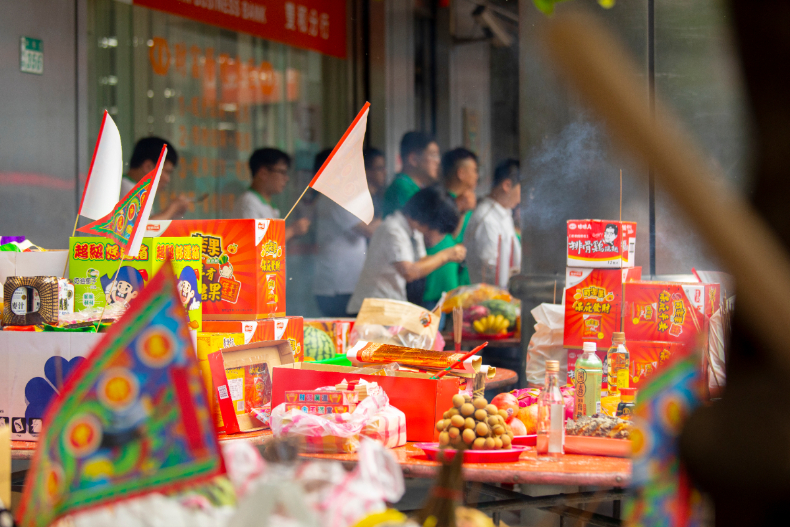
point(342, 241)
point(269, 169)
point(396, 255)
point(494, 249)
point(144, 157)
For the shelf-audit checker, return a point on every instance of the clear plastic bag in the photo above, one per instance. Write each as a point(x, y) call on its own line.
point(395, 322)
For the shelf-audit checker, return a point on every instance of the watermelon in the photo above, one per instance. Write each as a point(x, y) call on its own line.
point(501, 307)
point(317, 344)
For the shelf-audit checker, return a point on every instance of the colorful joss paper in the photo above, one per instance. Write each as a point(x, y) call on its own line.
point(662, 492)
point(132, 419)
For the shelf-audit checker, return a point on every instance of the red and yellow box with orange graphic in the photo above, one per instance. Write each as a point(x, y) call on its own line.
point(243, 265)
point(593, 304)
point(648, 357)
point(668, 311)
point(285, 328)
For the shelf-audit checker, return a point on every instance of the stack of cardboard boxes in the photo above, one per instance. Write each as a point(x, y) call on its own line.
point(605, 294)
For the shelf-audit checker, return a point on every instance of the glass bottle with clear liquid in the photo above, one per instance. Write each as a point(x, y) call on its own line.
point(551, 414)
point(618, 363)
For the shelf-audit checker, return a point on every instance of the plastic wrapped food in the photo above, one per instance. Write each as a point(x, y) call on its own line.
point(395, 322)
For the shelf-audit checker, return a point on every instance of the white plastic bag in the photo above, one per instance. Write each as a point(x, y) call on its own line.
point(546, 343)
point(717, 376)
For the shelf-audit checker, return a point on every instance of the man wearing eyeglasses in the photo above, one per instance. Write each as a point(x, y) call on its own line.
point(269, 168)
point(420, 158)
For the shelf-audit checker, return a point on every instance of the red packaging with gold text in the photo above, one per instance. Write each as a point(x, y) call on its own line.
point(668, 311)
point(593, 304)
point(243, 265)
point(285, 328)
point(603, 244)
point(648, 357)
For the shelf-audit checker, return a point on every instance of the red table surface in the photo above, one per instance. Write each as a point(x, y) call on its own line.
point(569, 470)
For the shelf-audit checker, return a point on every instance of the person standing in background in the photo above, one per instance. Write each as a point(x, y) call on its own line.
point(494, 249)
point(460, 176)
point(144, 158)
point(376, 172)
point(342, 244)
point(269, 169)
point(420, 157)
point(396, 256)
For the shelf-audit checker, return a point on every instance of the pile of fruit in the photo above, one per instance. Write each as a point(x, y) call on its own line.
point(488, 310)
point(475, 423)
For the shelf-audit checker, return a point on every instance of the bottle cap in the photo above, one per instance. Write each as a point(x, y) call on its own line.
point(553, 365)
point(618, 336)
point(589, 346)
point(627, 394)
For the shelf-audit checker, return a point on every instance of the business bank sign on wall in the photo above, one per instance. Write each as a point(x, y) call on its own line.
point(318, 25)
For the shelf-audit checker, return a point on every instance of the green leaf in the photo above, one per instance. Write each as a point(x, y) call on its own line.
point(545, 6)
point(606, 4)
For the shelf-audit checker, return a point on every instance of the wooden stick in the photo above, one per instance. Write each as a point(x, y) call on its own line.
point(458, 323)
point(112, 287)
point(73, 232)
point(554, 301)
point(621, 198)
point(297, 203)
point(459, 361)
point(607, 80)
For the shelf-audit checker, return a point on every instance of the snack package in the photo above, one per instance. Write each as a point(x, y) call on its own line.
point(341, 433)
point(374, 353)
point(594, 304)
point(94, 264)
point(601, 243)
point(395, 322)
point(36, 300)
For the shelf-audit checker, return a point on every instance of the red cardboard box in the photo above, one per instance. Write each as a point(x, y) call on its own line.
point(601, 244)
point(649, 357)
point(285, 328)
point(422, 399)
point(243, 265)
point(593, 304)
point(667, 311)
point(272, 353)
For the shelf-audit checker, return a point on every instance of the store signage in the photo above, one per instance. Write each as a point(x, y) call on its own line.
point(31, 57)
point(318, 25)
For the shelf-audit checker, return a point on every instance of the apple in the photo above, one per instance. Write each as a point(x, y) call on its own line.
point(507, 402)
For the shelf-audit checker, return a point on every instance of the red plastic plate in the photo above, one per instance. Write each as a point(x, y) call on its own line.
point(474, 456)
point(530, 440)
point(597, 446)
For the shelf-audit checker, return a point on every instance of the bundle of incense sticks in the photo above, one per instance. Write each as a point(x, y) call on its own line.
point(458, 323)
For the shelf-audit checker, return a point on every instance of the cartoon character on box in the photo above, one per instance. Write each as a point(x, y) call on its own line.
point(610, 234)
point(188, 289)
point(128, 284)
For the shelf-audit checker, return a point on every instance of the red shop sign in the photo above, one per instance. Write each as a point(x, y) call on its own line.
point(318, 25)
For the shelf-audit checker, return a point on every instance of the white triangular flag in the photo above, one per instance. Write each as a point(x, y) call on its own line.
point(103, 186)
point(342, 176)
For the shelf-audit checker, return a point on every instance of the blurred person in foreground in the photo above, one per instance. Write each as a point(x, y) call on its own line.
point(342, 242)
point(376, 172)
point(420, 157)
point(269, 169)
point(460, 176)
point(491, 239)
point(396, 257)
point(144, 158)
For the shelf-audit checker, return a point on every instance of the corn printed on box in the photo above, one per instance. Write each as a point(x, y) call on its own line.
point(243, 265)
point(94, 261)
point(603, 244)
point(667, 312)
point(285, 328)
point(593, 304)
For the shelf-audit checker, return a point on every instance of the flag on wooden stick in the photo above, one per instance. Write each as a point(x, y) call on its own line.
point(342, 176)
point(133, 418)
point(103, 186)
point(125, 224)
